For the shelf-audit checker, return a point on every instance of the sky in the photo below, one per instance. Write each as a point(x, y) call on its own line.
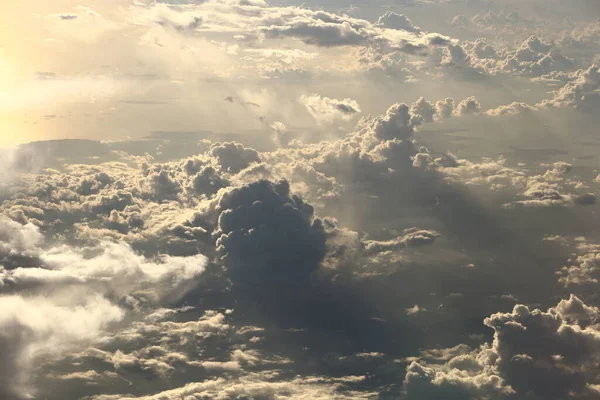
point(326, 199)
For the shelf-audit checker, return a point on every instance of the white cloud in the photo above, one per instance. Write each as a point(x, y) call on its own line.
point(70, 297)
point(327, 110)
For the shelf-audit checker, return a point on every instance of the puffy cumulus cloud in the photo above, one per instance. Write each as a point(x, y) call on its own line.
point(581, 91)
point(18, 240)
point(490, 172)
point(548, 189)
point(576, 311)
point(585, 271)
point(551, 354)
point(445, 108)
point(380, 143)
point(433, 383)
point(161, 186)
point(233, 157)
point(380, 65)
point(532, 58)
point(536, 58)
point(582, 41)
point(429, 112)
point(455, 55)
point(515, 108)
point(554, 187)
point(393, 20)
point(208, 181)
point(324, 109)
point(425, 109)
point(267, 234)
point(469, 106)
point(312, 185)
point(397, 123)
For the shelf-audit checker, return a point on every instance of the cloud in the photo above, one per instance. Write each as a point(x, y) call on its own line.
point(397, 123)
point(546, 190)
point(256, 245)
point(469, 106)
point(268, 235)
point(415, 310)
point(548, 354)
point(67, 298)
point(254, 386)
point(425, 109)
point(208, 181)
point(314, 223)
point(327, 110)
point(161, 186)
point(318, 28)
point(584, 272)
point(233, 157)
point(34, 327)
point(445, 108)
point(581, 92)
point(533, 58)
point(17, 161)
point(67, 17)
point(392, 20)
point(412, 237)
point(514, 108)
point(168, 17)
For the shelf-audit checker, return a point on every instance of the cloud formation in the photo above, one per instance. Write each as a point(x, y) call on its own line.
point(547, 354)
point(299, 201)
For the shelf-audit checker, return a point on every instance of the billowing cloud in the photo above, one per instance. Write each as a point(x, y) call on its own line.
point(468, 106)
point(581, 92)
point(262, 227)
point(548, 354)
point(393, 20)
point(324, 109)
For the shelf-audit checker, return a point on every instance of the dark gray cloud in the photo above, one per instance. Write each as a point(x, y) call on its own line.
point(267, 234)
